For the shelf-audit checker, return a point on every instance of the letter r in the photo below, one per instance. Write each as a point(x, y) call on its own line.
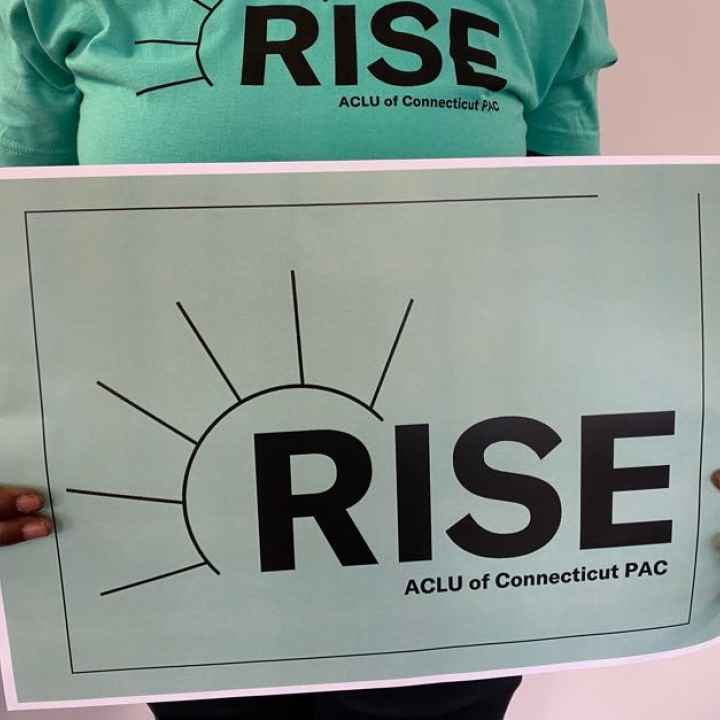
point(277, 506)
point(258, 46)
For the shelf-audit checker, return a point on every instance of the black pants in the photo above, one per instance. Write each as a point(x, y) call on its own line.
point(488, 700)
point(297, 707)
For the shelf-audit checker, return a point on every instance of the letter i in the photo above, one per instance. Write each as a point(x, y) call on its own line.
point(412, 453)
point(346, 72)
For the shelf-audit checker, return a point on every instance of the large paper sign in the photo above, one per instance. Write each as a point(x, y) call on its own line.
point(352, 427)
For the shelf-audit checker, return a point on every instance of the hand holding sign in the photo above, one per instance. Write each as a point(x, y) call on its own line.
point(19, 518)
point(716, 479)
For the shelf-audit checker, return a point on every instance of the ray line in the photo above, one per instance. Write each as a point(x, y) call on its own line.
point(202, 4)
point(209, 352)
point(166, 42)
point(167, 85)
point(158, 420)
point(297, 328)
point(152, 579)
point(392, 352)
point(124, 497)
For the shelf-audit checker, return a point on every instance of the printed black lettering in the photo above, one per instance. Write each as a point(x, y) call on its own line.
point(258, 47)
point(412, 587)
point(346, 64)
point(431, 59)
point(600, 480)
point(535, 494)
point(277, 506)
point(463, 54)
point(412, 457)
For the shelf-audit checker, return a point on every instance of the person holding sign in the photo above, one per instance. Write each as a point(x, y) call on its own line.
point(191, 81)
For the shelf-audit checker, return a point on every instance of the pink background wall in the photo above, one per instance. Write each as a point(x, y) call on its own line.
point(662, 98)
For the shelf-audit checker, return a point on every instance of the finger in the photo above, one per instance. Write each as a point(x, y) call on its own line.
point(15, 501)
point(24, 528)
point(716, 479)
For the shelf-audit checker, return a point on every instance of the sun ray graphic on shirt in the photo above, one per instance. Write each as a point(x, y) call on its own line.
point(239, 403)
point(203, 76)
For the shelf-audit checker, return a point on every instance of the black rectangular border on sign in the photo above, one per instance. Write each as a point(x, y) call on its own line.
point(532, 198)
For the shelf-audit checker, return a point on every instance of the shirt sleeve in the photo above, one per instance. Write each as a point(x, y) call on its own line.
point(39, 103)
point(566, 120)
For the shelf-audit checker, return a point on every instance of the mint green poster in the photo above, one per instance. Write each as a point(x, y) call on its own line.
point(349, 425)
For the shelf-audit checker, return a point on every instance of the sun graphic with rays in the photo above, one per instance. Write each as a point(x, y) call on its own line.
point(237, 412)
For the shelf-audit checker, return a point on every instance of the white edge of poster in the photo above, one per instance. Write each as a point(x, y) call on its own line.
point(251, 168)
point(89, 171)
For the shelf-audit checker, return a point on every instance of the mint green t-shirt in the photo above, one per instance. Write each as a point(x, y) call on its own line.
point(154, 81)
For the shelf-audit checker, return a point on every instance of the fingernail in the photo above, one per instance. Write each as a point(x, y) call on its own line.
point(35, 529)
point(29, 503)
